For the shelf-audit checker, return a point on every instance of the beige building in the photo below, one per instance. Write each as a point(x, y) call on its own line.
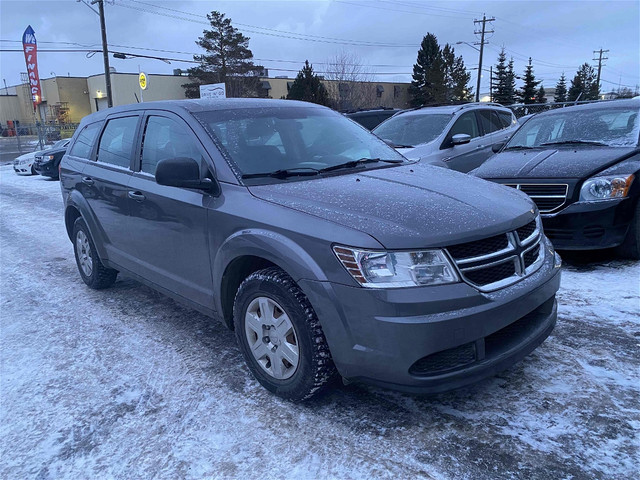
point(69, 99)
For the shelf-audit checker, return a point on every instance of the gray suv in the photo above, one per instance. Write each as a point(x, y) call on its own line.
point(461, 136)
point(323, 248)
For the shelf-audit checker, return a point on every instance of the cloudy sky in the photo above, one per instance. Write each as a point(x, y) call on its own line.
point(384, 35)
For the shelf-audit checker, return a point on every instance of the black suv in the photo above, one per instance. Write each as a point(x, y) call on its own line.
point(47, 162)
point(581, 166)
point(324, 248)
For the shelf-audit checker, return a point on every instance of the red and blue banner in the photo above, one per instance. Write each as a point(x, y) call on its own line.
point(30, 47)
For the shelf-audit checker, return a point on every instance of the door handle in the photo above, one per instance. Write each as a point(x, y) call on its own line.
point(87, 181)
point(137, 196)
point(479, 147)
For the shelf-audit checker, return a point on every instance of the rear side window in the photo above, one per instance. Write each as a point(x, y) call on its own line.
point(166, 138)
point(490, 121)
point(84, 143)
point(116, 143)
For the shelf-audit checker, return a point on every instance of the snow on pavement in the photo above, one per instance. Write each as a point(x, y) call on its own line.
point(125, 383)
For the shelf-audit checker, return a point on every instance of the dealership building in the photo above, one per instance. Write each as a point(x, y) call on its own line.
point(69, 99)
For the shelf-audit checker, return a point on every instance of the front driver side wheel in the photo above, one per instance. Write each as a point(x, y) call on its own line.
point(280, 336)
point(91, 269)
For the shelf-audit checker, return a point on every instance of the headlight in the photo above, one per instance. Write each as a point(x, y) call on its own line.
point(49, 157)
point(380, 269)
point(602, 188)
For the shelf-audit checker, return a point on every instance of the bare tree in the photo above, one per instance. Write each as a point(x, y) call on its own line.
point(349, 82)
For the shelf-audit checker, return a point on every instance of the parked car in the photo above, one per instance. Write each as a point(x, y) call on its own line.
point(370, 118)
point(46, 163)
point(580, 165)
point(323, 248)
point(459, 135)
point(24, 164)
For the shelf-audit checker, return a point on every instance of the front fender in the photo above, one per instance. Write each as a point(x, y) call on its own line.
point(269, 245)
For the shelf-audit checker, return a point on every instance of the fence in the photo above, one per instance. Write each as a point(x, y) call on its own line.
point(30, 137)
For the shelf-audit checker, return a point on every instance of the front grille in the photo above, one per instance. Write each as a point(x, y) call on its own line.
point(525, 232)
point(500, 260)
point(479, 248)
point(531, 256)
point(445, 361)
point(547, 196)
point(493, 274)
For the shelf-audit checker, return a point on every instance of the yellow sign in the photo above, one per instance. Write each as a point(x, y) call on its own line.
point(142, 79)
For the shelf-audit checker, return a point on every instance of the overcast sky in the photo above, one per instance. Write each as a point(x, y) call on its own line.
point(385, 35)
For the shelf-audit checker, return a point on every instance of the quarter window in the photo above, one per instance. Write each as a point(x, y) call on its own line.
point(506, 119)
point(166, 138)
point(116, 143)
point(84, 143)
point(465, 124)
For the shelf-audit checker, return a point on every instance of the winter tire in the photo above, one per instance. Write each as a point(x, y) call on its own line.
point(91, 269)
point(280, 336)
point(630, 248)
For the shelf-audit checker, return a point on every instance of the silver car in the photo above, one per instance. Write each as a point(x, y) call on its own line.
point(460, 136)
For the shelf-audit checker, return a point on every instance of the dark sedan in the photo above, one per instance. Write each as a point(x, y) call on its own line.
point(580, 165)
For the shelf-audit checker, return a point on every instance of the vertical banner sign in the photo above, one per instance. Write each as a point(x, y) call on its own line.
point(30, 48)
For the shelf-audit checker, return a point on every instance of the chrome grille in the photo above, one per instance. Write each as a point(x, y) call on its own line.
point(500, 260)
point(547, 196)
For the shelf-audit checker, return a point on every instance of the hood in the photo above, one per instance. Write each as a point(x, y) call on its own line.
point(418, 152)
point(552, 163)
point(407, 207)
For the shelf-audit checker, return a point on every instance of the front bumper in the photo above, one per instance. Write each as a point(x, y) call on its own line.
point(22, 168)
point(434, 339)
point(590, 225)
point(48, 169)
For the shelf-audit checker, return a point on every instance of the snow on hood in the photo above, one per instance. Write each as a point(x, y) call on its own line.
point(407, 207)
point(559, 163)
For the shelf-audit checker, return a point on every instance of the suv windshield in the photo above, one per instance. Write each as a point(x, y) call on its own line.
point(614, 127)
point(294, 140)
point(410, 130)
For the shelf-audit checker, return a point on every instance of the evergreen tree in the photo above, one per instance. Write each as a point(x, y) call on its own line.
point(561, 90)
point(584, 85)
point(227, 59)
point(307, 87)
point(504, 84)
point(428, 85)
point(456, 76)
point(540, 95)
point(528, 93)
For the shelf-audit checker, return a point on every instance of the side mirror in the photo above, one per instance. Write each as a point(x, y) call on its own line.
point(460, 139)
point(496, 147)
point(184, 172)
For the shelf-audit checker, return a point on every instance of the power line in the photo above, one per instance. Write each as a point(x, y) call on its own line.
point(280, 34)
point(368, 5)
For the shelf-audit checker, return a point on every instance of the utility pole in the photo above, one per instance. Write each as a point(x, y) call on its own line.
point(600, 59)
point(482, 43)
point(105, 52)
point(491, 83)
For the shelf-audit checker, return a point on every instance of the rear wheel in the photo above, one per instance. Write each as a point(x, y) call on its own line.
point(630, 248)
point(91, 269)
point(280, 336)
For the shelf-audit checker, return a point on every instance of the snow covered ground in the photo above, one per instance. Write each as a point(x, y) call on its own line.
point(124, 383)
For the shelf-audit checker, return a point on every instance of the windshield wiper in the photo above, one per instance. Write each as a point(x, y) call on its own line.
point(284, 173)
point(355, 163)
point(576, 142)
point(397, 145)
point(518, 147)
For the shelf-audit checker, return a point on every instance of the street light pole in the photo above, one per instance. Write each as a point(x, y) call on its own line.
point(105, 52)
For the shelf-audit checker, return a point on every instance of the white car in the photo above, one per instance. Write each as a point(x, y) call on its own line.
point(23, 165)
